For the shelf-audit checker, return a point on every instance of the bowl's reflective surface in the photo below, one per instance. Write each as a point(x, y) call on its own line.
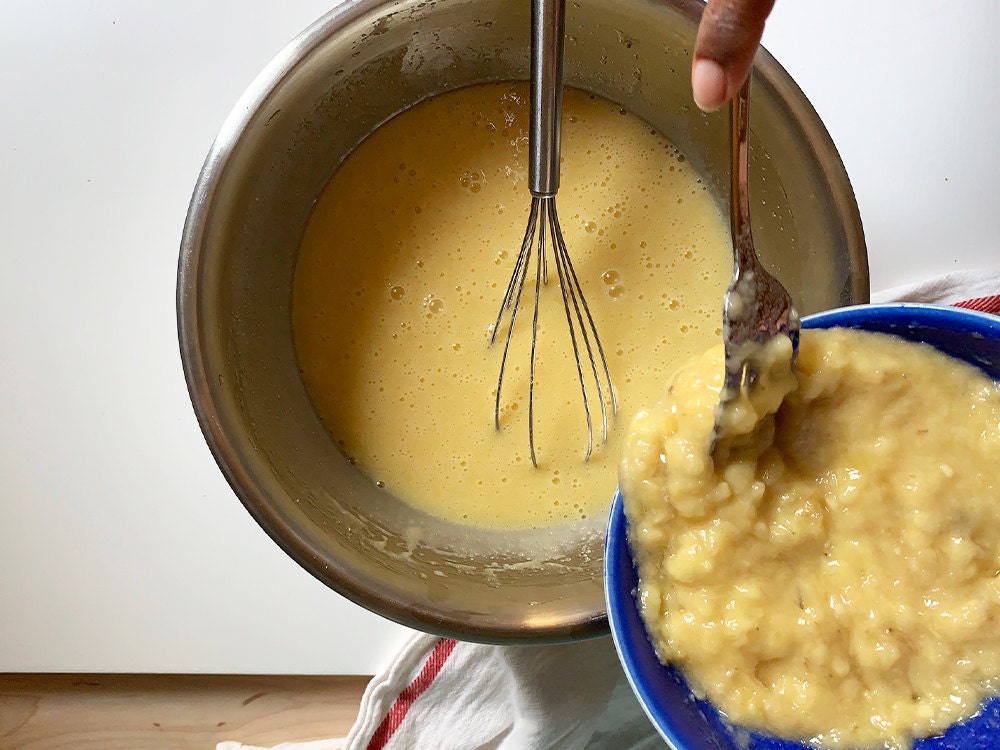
point(351, 71)
point(691, 724)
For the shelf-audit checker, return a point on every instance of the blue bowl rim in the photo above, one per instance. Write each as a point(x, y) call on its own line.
point(904, 313)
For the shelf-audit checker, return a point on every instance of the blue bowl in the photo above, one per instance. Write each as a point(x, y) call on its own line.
point(687, 723)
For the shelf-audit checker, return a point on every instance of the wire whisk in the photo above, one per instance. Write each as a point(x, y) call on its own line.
point(547, 41)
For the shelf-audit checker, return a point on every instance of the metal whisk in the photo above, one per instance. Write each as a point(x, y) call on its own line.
point(547, 39)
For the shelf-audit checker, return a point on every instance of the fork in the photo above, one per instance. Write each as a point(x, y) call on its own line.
point(756, 307)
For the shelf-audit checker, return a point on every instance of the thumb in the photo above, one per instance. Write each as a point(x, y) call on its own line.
point(728, 37)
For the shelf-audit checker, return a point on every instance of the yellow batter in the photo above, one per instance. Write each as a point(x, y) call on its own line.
point(834, 573)
point(402, 270)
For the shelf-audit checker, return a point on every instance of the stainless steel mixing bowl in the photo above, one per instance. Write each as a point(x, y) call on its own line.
point(350, 71)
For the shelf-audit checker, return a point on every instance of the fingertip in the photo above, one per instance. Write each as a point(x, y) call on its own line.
point(708, 84)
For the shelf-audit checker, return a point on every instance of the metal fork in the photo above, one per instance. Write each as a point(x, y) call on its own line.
point(757, 307)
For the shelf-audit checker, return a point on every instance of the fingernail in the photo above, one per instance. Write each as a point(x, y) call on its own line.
point(708, 83)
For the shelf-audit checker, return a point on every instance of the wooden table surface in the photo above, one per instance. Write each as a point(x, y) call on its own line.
point(171, 712)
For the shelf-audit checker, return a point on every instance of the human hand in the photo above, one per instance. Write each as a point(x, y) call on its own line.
point(728, 37)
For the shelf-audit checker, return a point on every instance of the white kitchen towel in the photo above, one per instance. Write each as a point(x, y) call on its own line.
point(442, 694)
point(974, 289)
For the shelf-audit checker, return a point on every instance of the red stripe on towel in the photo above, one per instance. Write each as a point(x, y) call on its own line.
point(989, 304)
point(432, 666)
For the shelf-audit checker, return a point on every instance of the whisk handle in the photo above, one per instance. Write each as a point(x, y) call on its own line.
point(548, 30)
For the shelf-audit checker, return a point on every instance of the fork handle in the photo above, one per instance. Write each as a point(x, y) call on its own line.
point(739, 193)
point(548, 29)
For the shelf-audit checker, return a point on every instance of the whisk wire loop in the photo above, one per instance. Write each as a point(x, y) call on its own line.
point(541, 277)
point(516, 279)
point(543, 230)
point(512, 301)
point(570, 285)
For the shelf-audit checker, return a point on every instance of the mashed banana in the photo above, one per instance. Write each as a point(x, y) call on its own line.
point(834, 575)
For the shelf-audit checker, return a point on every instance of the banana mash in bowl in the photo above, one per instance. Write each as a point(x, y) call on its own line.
point(830, 577)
